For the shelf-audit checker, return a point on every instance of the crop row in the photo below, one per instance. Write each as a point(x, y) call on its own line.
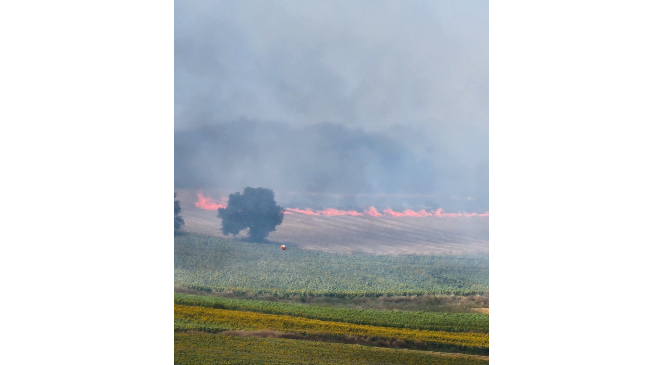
point(214, 320)
point(208, 349)
point(450, 322)
point(214, 263)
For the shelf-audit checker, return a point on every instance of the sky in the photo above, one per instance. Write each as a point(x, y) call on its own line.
point(352, 97)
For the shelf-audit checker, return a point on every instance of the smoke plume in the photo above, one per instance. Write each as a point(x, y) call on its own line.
point(346, 104)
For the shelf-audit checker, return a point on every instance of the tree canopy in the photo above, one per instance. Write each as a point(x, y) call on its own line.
point(255, 209)
point(179, 222)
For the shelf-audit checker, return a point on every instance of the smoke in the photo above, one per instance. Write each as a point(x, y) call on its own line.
point(322, 166)
point(347, 104)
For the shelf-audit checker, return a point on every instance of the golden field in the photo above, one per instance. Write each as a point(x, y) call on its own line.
point(202, 318)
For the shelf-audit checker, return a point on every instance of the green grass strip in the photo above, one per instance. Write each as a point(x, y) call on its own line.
point(449, 322)
point(208, 349)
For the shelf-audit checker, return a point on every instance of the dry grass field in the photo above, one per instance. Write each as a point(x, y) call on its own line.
point(369, 235)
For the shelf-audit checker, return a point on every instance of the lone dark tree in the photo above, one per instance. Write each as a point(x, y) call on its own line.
point(179, 222)
point(255, 209)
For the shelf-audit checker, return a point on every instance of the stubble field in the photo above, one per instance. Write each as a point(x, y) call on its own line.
point(348, 234)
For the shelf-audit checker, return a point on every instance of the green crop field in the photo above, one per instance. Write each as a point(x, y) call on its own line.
point(449, 322)
point(208, 349)
point(303, 294)
point(215, 263)
point(193, 318)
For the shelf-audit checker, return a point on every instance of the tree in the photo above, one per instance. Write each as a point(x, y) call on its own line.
point(255, 209)
point(179, 222)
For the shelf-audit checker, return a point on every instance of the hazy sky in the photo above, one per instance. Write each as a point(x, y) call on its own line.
point(415, 72)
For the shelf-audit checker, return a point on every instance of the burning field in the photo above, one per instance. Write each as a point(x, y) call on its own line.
point(370, 230)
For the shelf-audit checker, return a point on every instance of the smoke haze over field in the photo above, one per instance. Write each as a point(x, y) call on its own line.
point(360, 102)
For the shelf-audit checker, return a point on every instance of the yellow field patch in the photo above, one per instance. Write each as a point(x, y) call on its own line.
point(284, 323)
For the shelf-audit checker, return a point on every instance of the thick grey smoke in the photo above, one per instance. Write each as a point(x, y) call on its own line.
point(347, 97)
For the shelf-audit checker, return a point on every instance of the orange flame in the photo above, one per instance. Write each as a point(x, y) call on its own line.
point(332, 211)
point(439, 213)
point(407, 213)
point(307, 211)
point(209, 203)
point(421, 213)
point(389, 211)
point(372, 212)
